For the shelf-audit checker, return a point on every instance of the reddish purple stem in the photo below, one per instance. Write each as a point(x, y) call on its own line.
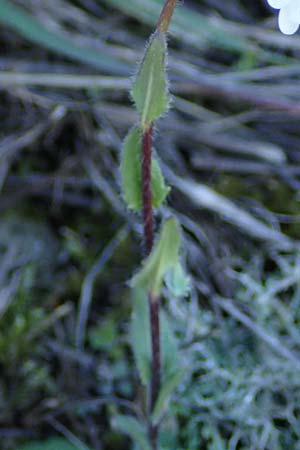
point(154, 302)
point(154, 305)
point(147, 195)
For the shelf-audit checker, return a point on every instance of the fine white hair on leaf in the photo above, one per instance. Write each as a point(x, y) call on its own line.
point(289, 15)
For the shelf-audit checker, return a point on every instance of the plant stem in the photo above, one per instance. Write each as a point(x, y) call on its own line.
point(148, 222)
point(154, 302)
point(154, 305)
point(166, 15)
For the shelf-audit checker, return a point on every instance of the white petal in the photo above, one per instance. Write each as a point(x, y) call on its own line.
point(277, 4)
point(294, 10)
point(286, 25)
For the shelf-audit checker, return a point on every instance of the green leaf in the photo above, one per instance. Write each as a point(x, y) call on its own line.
point(133, 428)
point(150, 87)
point(163, 256)
point(131, 169)
point(159, 189)
point(165, 395)
point(169, 347)
point(140, 335)
point(50, 444)
point(177, 282)
point(131, 173)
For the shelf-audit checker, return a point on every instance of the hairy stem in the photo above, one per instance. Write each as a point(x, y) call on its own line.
point(154, 302)
point(154, 305)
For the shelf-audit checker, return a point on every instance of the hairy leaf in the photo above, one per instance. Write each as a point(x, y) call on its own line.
point(169, 347)
point(165, 395)
point(141, 339)
point(150, 87)
point(140, 335)
point(131, 173)
point(163, 256)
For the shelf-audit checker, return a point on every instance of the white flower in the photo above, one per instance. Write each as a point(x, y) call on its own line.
point(289, 14)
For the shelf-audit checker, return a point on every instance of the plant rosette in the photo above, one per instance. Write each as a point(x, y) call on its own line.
point(289, 15)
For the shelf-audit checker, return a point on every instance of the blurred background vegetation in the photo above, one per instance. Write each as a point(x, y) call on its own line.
point(229, 149)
